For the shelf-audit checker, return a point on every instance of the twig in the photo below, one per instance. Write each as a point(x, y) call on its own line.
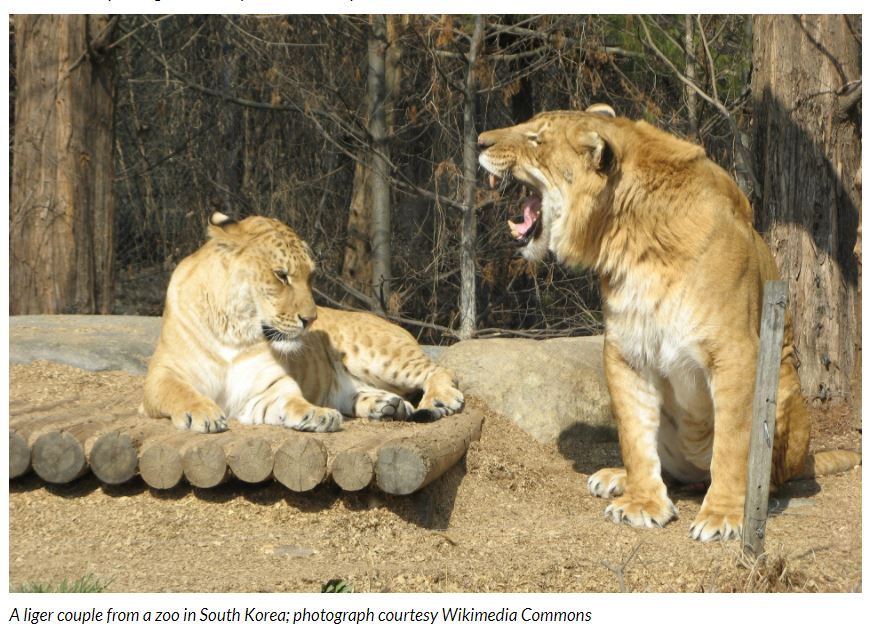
point(620, 570)
point(711, 71)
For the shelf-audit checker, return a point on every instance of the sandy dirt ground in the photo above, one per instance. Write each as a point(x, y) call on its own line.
point(513, 516)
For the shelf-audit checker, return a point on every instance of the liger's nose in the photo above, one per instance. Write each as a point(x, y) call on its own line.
point(307, 321)
point(483, 141)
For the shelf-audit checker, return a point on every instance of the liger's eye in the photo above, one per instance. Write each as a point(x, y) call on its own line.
point(534, 139)
point(282, 275)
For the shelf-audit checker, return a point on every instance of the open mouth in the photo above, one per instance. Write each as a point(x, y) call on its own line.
point(527, 225)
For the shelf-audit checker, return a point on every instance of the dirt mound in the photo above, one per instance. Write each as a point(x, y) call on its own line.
point(515, 516)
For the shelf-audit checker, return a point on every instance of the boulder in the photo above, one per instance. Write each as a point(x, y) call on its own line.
point(93, 343)
point(553, 389)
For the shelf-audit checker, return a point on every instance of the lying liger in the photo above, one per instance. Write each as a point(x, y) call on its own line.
point(241, 337)
point(682, 273)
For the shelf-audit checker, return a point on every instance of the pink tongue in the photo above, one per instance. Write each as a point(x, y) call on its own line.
point(531, 213)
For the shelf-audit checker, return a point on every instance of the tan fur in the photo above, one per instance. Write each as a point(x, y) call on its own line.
point(242, 337)
point(682, 272)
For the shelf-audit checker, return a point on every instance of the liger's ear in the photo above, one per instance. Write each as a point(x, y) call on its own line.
point(219, 219)
point(589, 143)
point(602, 110)
point(221, 224)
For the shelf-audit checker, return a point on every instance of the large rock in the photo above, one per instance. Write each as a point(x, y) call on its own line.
point(93, 343)
point(554, 389)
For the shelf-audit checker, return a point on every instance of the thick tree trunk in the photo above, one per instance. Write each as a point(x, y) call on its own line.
point(61, 227)
point(807, 145)
point(468, 295)
point(61, 218)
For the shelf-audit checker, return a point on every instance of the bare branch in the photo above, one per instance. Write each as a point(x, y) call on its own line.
point(743, 151)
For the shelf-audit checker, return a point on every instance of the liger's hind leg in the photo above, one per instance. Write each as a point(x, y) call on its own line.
point(381, 405)
point(386, 357)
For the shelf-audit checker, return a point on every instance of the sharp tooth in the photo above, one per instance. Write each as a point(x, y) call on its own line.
point(493, 181)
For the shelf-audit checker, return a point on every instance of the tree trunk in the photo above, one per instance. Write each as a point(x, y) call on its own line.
point(229, 175)
point(61, 222)
point(381, 218)
point(357, 269)
point(692, 99)
point(468, 295)
point(807, 144)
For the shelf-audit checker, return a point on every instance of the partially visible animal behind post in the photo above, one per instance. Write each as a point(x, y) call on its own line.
point(681, 270)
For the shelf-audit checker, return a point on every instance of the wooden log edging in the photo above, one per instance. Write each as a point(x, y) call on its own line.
point(398, 458)
point(54, 444)
point(300, 463)
point(114, 453)
point(19, 454)
point(353, 466)
point(407, 464)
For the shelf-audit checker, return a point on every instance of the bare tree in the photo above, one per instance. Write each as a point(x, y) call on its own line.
point(380, 185)
point(61, 219)
point(270, 115)
point(468, 292)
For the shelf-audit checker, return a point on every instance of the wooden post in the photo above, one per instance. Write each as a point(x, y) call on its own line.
point(759, 464)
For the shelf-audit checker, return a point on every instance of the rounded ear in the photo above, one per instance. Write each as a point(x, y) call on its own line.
point(220, 220)
point(602, 110)
point(221, 224)
point(590, 143)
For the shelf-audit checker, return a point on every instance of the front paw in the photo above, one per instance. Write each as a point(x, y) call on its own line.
point(713, 525)
point(316, 420)
point(641, 511)
point(206, 417)
point(609, 482)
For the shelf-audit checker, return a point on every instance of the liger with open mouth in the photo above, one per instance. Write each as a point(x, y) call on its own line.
point(682, 273)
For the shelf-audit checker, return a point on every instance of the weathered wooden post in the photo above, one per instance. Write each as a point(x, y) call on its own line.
point(759, 463)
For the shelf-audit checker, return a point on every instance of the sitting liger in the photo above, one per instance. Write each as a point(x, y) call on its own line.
point(682, 271)
point(242, 338)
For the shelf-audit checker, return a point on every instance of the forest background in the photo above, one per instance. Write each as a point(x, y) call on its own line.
point(127, 131)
